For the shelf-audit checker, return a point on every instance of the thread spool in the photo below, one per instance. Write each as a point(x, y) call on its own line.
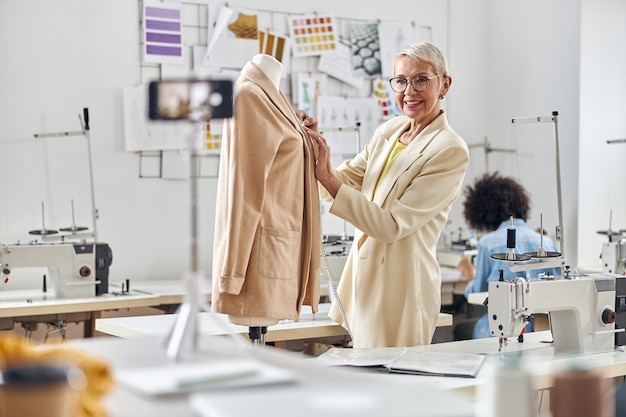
point(580, 393)
point(508, 391)
point(510, 237)
point(40, 390)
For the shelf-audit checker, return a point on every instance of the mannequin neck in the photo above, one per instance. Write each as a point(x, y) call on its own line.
point(270, 66)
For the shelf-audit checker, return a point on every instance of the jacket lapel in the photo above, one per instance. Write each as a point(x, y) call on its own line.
point(255, 75)
point(404, 161)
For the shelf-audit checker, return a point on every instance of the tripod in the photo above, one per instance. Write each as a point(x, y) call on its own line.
point(185, 329)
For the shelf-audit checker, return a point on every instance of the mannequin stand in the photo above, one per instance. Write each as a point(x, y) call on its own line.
point(257, 335)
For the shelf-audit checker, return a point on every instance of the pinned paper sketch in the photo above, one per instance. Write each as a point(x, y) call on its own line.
point(218, 19)
point(141, 134)
point(312, 34)
point(276, 45)
point(333, 111)
point(236, 42)
point(393, 36)
point(365, 48)
point(162, 32)
point(307, 87)
point(338, 64)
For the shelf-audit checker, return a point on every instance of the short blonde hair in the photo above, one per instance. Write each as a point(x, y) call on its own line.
point(427, 52)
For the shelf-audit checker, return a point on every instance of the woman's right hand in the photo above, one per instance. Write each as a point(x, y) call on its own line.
point(307, 121)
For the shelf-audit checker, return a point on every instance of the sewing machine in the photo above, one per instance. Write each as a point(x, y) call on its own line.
point(75, 270)
point(581, 309)
point(614, 256)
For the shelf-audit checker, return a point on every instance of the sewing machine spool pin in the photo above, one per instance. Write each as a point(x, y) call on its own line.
point(541, 251)
point(73, 228)
point(43, 231)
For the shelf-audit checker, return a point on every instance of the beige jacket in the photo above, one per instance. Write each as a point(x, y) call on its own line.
point(267, 246)
point(390, 288)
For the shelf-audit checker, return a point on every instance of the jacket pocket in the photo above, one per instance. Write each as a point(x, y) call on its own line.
point(279, 253)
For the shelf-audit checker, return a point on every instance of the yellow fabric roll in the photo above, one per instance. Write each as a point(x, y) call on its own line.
point(15, 351)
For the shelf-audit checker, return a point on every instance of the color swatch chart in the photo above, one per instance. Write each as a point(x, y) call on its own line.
point(213, 135)
point(312, 34)
point(384, 100)
point(163, 36)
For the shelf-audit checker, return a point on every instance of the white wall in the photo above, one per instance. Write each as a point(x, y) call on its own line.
point(507, 58)
point(60, 56)
point(602, 110)
point(528, 54)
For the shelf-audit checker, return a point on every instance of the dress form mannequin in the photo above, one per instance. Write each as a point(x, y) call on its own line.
point(266, 262)
point(258, 325)
point(270, 66)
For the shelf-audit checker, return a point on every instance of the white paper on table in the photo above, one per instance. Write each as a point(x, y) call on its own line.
point(186, 377)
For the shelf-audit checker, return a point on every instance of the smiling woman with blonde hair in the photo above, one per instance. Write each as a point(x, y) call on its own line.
point(397, 193)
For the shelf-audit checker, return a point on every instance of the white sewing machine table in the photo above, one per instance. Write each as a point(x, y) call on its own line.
point(310, 326)
point(27, 305)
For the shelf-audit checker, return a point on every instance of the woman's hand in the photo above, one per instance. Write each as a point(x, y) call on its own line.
point(307, 121)
point(323, 167)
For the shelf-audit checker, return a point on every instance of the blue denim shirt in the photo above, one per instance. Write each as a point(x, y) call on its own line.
point(487, 269)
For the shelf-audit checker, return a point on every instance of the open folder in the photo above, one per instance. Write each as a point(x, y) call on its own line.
point(406, 360)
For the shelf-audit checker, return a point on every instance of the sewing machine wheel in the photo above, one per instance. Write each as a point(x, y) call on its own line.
point(547, 255)
point(503, 257)
point(74, 229)
point(43, 232)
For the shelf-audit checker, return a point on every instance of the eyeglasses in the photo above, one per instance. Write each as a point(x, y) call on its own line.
point(419, 84)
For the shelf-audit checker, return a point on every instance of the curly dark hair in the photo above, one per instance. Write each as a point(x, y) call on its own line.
point(493, 199)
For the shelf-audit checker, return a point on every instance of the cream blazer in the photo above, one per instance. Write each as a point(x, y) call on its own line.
point(390, 288)
point(267, 243)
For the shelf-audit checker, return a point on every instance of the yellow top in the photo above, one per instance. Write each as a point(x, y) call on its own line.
point(391, 158)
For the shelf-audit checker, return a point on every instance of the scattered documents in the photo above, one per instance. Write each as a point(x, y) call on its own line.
point(406, 360)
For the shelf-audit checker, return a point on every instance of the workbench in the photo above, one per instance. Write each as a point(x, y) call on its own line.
point(311, 326)
point(31, 306)
point(536, 352)
point(24, 306)
point(312, 380)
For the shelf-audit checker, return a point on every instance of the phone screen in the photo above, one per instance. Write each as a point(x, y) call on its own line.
point(190, 99)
